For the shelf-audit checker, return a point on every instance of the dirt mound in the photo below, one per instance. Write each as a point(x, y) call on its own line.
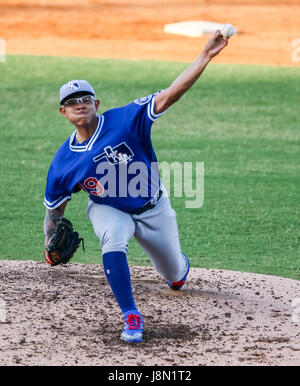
point(66, 315)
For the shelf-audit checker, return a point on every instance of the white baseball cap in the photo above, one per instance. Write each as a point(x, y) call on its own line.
point(73, 87)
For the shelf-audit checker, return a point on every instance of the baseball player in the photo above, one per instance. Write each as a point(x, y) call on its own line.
point(110, 157)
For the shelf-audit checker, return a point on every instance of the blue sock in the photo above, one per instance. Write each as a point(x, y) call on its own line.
point(118, 276)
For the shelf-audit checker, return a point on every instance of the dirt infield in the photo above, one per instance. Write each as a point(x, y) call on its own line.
point(66, 315)
point(134, 29)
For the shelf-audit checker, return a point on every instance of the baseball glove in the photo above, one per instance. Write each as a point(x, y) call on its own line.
point(62, 244)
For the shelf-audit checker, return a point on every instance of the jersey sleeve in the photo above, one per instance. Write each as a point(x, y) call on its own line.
point(141, 116)
point(55, 194)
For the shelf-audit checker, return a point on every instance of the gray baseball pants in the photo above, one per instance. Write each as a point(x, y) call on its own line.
point(155, 230)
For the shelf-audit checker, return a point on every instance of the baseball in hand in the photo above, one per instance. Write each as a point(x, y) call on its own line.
point(228, 30)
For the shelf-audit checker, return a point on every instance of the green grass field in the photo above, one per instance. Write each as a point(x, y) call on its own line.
point(241, 121)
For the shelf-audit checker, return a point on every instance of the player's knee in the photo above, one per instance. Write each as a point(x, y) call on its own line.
point(115, 237)
point(112, 246)
point(114, 241)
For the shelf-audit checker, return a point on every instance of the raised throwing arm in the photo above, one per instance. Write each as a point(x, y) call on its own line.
point(186, 79)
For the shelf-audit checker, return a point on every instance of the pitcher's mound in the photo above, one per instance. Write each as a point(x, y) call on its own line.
point(66, 315)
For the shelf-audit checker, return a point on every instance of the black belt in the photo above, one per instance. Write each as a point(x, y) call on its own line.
point(148, 206)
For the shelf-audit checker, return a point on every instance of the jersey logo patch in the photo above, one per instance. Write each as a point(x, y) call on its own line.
point(116, 155)
point(143, 101)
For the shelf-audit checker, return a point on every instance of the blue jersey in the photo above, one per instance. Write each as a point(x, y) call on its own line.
point(116, 166)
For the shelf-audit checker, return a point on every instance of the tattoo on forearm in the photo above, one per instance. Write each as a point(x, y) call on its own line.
point(51, 221)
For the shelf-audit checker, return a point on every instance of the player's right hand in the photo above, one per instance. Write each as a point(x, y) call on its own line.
point(215, 44)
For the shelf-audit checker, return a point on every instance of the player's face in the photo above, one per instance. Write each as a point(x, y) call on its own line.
point(80, 112)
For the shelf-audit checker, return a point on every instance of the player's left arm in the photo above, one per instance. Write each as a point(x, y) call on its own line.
point(52, 218)
point(185, 81)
